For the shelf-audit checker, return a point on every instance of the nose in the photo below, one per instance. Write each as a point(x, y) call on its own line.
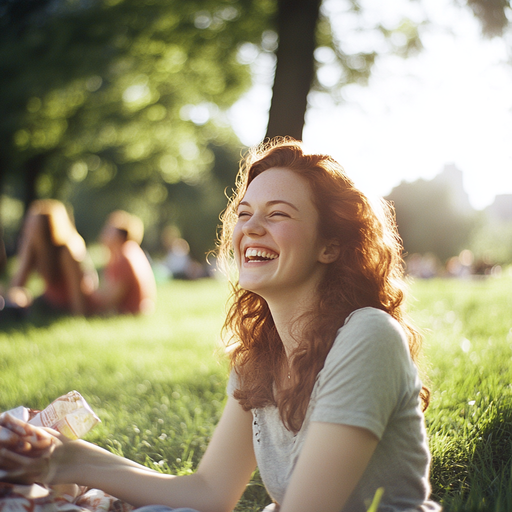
point(253, 226)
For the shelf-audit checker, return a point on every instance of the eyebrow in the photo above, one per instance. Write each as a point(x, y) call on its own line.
point(271, 203)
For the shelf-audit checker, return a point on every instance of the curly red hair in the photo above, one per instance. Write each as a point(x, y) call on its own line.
point(367, 273)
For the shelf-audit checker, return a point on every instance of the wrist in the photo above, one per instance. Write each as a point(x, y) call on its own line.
point(65, 463)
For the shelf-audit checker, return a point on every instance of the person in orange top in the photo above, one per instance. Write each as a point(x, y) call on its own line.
point(128, 285)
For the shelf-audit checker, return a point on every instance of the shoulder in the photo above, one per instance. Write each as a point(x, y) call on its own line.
point(367, 372)
point(370, 334)
point(129, 254)
point(131, 249)
point(133, 253)
point(368, 324)
point(372, 318)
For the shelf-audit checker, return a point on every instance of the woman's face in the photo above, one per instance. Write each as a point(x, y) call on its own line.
point(277, 248)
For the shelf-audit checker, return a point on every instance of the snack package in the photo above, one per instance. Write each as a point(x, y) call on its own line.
point(69, 414)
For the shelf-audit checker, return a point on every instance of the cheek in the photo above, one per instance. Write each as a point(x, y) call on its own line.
point(235, 242)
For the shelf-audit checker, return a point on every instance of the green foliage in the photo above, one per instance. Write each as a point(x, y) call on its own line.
point(158, 383)
point(122, 103)
point(348, 55)
point(125, 94)
point(193, 206)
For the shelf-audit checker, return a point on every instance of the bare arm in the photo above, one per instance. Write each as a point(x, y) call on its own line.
point(330, 465)
point(25, 261)
point(216, 486)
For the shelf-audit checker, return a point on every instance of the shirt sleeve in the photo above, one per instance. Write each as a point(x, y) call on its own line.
point(367, 374)
point(232, 383)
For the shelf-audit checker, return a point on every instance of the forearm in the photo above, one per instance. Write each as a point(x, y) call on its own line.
point(20, 278)
point(89, 465)
point(25, 264)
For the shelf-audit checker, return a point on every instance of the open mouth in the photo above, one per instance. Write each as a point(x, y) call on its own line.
point(259, 255)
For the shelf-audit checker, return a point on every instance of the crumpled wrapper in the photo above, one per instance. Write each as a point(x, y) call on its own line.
point(69, 414)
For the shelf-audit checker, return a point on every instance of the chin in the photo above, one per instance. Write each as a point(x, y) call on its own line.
point(250, 286)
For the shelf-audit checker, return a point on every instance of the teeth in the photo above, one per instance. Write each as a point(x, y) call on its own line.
point(258, 253)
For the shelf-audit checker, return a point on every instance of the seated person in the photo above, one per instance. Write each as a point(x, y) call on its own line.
point(128, 284)
point(324, 395)
point(52, 247)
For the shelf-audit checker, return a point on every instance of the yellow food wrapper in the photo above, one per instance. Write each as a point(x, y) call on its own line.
point(69, 414)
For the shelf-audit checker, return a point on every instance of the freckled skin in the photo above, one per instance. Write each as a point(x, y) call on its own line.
point(277, 216)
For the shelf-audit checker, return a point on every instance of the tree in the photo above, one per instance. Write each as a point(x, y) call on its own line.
point(123, 64)
point(130, 96)
point(122, 93)
point(296, 25)
point(302, 28)
point(494, 15)
point(428, 219)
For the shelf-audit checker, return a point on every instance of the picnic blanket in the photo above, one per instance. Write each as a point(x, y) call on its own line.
point(68, 498)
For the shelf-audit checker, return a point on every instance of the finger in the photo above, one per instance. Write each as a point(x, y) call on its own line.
point(18, 468)
point(32, 445)
point(26, 449)
point(18, 476)
point(39, 440)
point(10, 458)
point(15, 465)
point(13, 442)
point(8, 476)
point(17, 426)
point(37, 437)
point(8, 437)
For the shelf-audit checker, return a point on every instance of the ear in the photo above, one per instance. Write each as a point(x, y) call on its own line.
point(330, 252)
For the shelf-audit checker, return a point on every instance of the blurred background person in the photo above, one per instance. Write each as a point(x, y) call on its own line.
point(128, 284)
point(51, 246)
point(178, 263)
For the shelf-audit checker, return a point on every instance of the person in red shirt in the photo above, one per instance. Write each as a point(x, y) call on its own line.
point(128, 284)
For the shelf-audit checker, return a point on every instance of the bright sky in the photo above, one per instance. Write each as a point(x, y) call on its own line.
point(450, 104)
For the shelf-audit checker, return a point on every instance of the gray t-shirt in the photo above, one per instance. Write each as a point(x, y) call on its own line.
point(368, 381)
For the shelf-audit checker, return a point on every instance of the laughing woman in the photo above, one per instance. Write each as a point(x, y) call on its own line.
point(324, 395)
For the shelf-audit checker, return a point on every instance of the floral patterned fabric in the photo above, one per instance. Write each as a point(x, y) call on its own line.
point(69, 498)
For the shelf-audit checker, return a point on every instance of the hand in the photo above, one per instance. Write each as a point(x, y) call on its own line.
point(25, 451)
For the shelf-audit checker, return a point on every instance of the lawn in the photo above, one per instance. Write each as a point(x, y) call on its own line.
point(158, 383)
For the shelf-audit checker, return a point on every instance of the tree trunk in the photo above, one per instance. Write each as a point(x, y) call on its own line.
point(296, 26)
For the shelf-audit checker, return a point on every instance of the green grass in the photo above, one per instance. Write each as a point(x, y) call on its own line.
point(468, 344)
point(158, 383)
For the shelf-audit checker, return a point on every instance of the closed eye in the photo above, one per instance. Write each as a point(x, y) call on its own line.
point(243, 214)
point(279, 214)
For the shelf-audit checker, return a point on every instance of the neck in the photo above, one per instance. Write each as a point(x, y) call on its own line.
point(287, 318)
